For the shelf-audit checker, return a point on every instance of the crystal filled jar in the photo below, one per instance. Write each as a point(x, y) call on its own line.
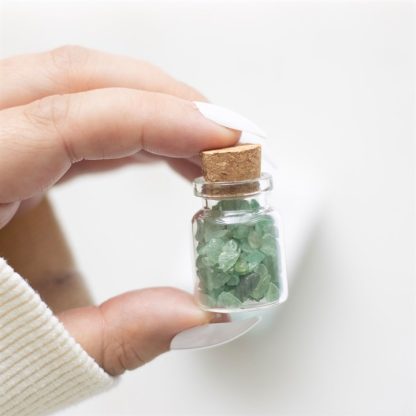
point(239, 262)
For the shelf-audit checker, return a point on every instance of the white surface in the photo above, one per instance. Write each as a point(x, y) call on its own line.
point(332, 83)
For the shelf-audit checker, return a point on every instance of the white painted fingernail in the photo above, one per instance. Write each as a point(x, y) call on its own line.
point(212, 335)
point(251, 133)
point(228, 118)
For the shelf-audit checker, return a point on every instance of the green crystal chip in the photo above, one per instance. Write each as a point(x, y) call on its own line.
point(253, 259)
point(220, 279)
point(268, 245)
point(213, 230)
point(246, 286)
point(229, 255)
point(262, 287)
point(241, 266)
point(254, 239)
point(234, 280)
point(245, 247)
point(272, 293)
point(230, 246)
point(227, 299)
point(238, 260)
point(204, 262)
point(241, 231)
point(211, 250)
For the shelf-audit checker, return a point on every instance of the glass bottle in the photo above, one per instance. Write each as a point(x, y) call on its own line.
point(239, 262)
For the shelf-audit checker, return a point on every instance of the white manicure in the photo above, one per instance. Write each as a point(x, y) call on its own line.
point(228, 118)
point(251, 133)
point(212, 335)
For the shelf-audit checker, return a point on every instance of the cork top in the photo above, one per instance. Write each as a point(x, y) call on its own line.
point(236, 163)
point(230, 172)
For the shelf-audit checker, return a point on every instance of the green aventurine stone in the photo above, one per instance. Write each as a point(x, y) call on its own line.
point(261, 269)
point(213, 230)
point(272, 293)
point(246, 286)
point(265, 225)
point(261, 288)
point(245, 247)
point(230, 246)
point(241, 266)
point(241, 231)
point(248, 261)
point(227, 299)
point(220, 279)
point(253, 259)
point(229, 255)
point(211, 250)
point(234, 280)
point(272, 265)
point(203, 262)
point(268, 245)
point(207, 276)
point(237, 262)
point(254, 239)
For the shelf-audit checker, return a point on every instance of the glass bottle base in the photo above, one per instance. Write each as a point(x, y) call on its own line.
point(243, 308)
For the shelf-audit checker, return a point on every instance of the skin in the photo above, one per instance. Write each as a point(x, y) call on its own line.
point(71, 111)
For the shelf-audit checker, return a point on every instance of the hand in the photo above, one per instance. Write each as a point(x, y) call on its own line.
point(74, 110)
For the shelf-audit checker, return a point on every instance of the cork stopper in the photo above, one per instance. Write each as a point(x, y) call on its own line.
point(236, 163)
point(240, 163)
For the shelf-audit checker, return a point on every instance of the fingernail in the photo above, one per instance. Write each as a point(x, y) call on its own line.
point(228, 118)
point(212, 335)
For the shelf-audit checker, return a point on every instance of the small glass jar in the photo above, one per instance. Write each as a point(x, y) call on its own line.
point(239, 260)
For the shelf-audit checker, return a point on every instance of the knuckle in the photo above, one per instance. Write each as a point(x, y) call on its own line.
point(117, 354)
point(52, 114)
point(121, 357)
point(49, 112)
point(69, 56)
point(149, 106)
point(68, 61)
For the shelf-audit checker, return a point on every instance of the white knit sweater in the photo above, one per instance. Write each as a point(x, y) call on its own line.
point(42, 368)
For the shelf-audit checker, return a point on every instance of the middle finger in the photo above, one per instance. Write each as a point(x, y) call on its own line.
point(70, 69)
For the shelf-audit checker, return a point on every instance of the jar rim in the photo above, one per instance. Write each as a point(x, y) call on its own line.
point(232, 189)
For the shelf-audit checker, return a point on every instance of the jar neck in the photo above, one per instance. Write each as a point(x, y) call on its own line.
point(248, 194)
point(261, 200)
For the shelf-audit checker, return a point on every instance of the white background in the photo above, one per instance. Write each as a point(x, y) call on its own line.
point(333, 84)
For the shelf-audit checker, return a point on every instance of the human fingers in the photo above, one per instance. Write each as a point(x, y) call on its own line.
point(70, 68)
point(187, 168)
point(41, 140)
point(131, 329)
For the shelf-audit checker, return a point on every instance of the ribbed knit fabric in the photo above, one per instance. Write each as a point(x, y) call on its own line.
point(42, 368)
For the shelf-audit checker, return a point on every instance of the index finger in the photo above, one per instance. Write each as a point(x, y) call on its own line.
point(70, 69)
point(40, 141)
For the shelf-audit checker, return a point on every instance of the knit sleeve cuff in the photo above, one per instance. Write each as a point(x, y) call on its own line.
point(42, 367)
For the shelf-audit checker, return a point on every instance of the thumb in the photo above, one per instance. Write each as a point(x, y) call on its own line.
point(131, 329)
